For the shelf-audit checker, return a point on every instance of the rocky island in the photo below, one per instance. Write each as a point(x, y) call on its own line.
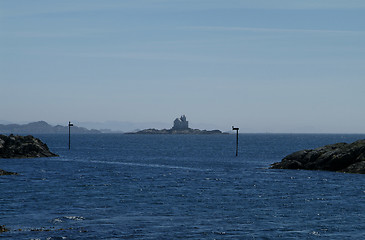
point(340, 157)
point(181, 126)
point(22, 147)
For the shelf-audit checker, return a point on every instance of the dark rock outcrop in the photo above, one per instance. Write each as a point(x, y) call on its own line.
point(340, 157)
point(23, 147)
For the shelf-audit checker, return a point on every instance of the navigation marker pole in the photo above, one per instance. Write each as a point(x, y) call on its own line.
point(233, 128)
point(69, 134)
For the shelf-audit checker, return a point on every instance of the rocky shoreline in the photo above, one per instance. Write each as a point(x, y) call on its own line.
point(22, 147)
point(339, 157)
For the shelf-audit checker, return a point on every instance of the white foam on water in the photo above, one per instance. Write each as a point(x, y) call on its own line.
point(75, 218)
point(64, 218)
point(57, 220)
point(151, 165)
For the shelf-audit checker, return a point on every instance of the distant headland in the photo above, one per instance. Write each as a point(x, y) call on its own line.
point(42, 127)
point(181, 126)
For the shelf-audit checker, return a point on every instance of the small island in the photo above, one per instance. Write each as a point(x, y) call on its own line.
point(181, 126)
point(22, 147)
point(339, 157)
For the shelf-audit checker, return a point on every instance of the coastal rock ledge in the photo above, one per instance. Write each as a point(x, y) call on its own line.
point(340, 157)
point(23, 147)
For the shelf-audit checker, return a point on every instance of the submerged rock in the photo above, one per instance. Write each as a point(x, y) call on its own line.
point(23, 147)
point(2, 173)
point(340, 157)
point(3, 229)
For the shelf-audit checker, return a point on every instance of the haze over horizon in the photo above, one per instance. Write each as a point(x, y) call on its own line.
point(285, 66)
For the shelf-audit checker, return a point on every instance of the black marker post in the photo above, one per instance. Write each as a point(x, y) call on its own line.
point(233, 128)
point(69, 134)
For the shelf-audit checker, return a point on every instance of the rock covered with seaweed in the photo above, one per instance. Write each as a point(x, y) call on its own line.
point(340, 157)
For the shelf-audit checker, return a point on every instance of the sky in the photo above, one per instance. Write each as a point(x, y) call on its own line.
point(283, 66)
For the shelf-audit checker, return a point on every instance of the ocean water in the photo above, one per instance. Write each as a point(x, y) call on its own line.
point(116, 186)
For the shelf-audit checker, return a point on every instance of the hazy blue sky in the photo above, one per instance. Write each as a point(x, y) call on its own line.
point(262, 65)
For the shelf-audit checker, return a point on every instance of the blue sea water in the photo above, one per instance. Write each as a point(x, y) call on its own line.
point(116, 186)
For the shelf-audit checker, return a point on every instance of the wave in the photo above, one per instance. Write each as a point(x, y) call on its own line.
point(134, 164)
point(153, 165)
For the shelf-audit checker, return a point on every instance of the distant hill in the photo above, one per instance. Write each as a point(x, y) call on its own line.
point(121, 126)
point(42, 127)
